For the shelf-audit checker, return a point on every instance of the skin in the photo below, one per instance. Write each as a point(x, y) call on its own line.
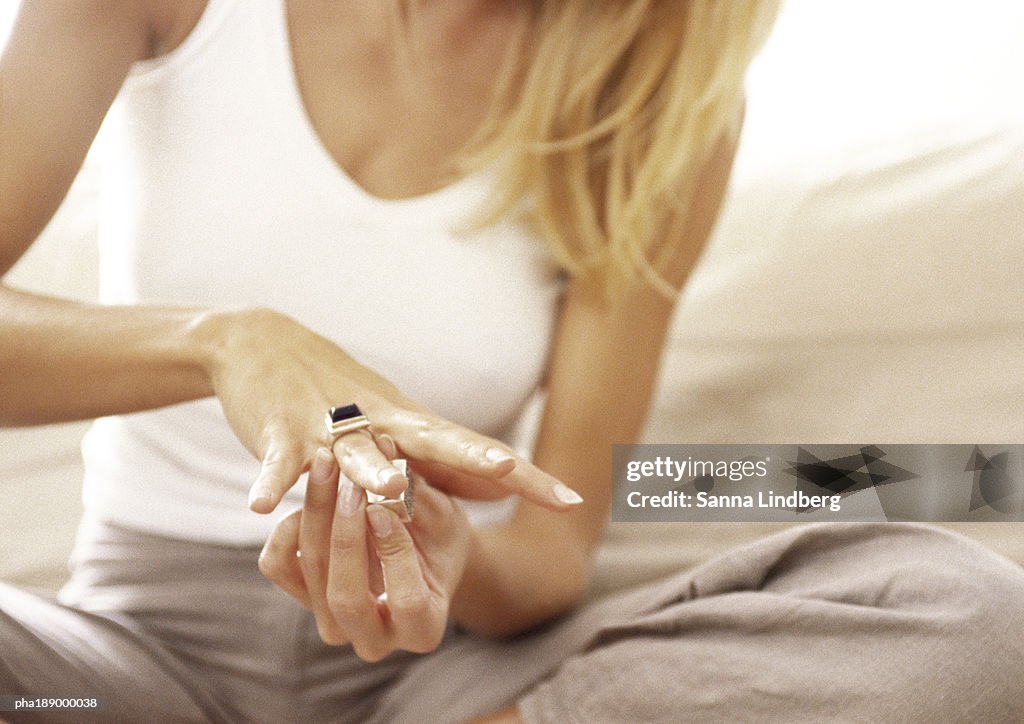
point(63, 67)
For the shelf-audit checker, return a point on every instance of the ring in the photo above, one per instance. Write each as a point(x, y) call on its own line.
point(345, 419)
point(404, 505)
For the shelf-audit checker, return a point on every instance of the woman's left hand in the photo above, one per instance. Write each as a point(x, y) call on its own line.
point(370, 579)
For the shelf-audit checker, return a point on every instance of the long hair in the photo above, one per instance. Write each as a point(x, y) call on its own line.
point(603, 112)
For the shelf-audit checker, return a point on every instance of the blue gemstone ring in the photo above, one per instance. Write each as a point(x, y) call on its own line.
point(345, 419)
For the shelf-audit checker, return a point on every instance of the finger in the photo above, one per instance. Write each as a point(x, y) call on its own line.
point(283, 463)
point(417, 615)
point(436, 530)
point(458, 482)
point(425, 438)
point(532, 483)
point(349, 596)
point(376, 578)
point(434, 508)
point(278, 560)
point(362, 462)
point(387, 445)
point(315, 540)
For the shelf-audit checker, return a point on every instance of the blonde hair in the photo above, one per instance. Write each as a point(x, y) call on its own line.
point(604, 110)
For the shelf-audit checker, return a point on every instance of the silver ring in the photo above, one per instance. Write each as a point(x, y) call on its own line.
point(344, 419)
point(405, 504)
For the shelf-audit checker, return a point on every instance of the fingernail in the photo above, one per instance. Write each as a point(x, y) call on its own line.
point(380, 520)
point(320, 468)
point(389, 475)
point(259, 495)
point(497, 455)
point(566, 494)
point(348, 497)
point(387, 445)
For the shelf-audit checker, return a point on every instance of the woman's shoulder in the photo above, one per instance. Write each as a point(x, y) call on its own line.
point(154, 27)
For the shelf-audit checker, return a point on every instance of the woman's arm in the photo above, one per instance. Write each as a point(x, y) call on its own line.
point(62, 68)
point(602, 376)
point(64, 360)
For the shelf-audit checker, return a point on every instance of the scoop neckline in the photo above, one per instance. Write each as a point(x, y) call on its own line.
point(323, 153)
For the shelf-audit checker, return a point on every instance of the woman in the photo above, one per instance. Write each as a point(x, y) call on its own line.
point(325, 204)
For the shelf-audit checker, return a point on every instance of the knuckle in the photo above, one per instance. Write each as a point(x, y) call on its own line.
point(410, 605)
point(330, 635)
point(371, 653)
point(409, 599)
point(446, 427)
point(275, 427)
point(468, 448)
point(345, 542)
point(427, 639)
point(354, 456)
point(269, 565)
point(261, 317)
point(342, 450)
point(425, 426)
point(344, 607)
point(391, 548)
point(281, 436)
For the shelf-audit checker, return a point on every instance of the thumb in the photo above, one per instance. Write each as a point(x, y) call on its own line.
point(282, 466)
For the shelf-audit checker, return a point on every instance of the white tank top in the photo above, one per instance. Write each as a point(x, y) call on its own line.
point(220, 193)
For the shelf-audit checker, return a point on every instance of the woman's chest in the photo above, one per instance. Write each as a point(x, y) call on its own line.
point(394, 105)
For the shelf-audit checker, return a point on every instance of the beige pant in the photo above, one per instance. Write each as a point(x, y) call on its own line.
point(837, 622)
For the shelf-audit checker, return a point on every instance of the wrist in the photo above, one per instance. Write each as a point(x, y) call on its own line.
point(508, 588)
point(205, 339)
point(215, 336)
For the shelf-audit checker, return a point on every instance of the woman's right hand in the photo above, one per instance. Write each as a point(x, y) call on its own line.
point(276, 379)
point(369, 578)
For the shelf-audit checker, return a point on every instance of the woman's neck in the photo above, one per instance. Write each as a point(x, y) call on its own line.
point(425, 27)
